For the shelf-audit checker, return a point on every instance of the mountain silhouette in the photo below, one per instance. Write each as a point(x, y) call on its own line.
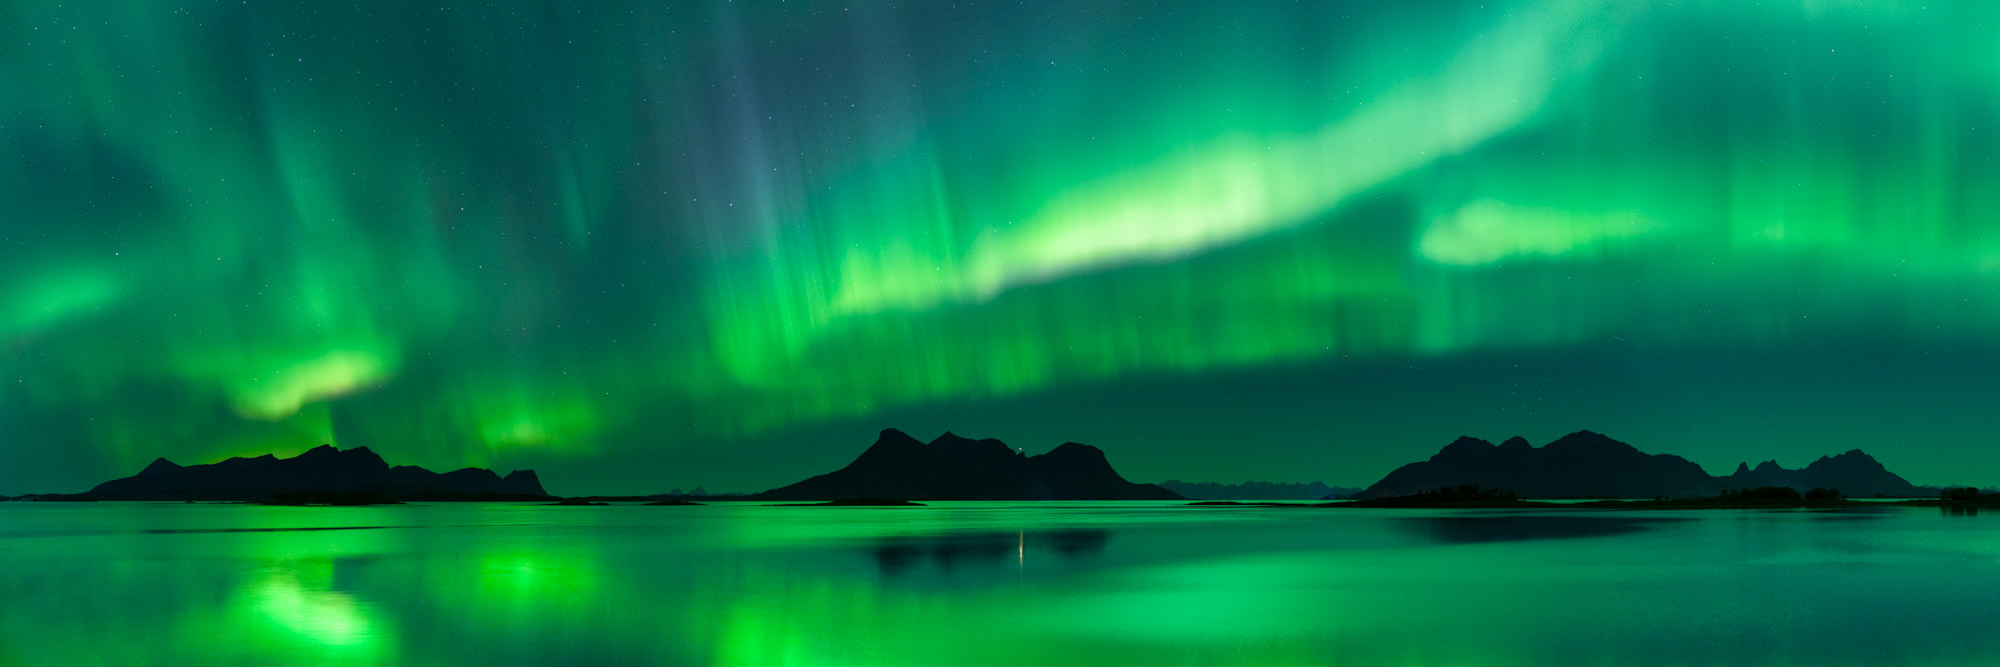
point(951, 467)
point(1854, 473)
point(1590, 465)
point(321, 471)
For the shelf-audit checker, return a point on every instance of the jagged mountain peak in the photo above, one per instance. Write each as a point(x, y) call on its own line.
point(954, 442)
point(1075, 450)
point(1850, 459)
point(159, 466)
point(895, 435)
point(953, 467)
point(1586, 464)
point(1590, 440)
point(892, 440)
point(1464, 446)
point(321, 470)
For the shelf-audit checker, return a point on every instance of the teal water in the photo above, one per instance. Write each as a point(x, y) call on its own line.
point(991, 584)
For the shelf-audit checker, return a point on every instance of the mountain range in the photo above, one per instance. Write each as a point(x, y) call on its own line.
point(321, 471)
point(950, 467)
point(898, 467)
point(1590, 465)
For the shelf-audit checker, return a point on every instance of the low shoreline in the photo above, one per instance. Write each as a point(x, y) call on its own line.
point(1671, 504)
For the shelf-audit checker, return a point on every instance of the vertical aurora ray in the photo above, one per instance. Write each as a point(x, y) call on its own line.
point(482, 233)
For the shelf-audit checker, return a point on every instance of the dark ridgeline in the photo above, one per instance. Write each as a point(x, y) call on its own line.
point(1255, 490)
point(900, 467)
point(1579, 465)
point(323, 473)
point(1854, 473)
point(1589, 465)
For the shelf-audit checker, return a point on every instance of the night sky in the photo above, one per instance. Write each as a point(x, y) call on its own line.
point(639, 245)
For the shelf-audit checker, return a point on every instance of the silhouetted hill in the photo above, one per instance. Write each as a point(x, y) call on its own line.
point(1251, 490)
point(321, 472)
point(1589, 465)
point(1854, 473)
point(899, 467)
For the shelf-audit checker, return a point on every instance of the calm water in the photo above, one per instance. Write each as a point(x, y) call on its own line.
point(991, 583)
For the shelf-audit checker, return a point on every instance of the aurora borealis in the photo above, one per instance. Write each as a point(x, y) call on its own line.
point(642, 245)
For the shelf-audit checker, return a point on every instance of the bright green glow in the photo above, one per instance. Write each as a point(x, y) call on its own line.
point(318, 379)
point(518, 420)
point(324, 617)
point(58, 296)
point(236, 228)
point(1237, 186)
point(1486, 231)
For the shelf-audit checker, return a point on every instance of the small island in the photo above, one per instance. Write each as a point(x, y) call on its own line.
point(323, 475)
point(951, 467)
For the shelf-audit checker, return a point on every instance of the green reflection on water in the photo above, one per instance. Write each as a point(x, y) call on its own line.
point(299, 599)
point(986, 583)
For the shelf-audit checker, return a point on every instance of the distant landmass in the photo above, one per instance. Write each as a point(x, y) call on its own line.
point(1590, 465)
point(1467, 496)
point(1854, 473)
point(697, 492)
point(324, 472)
point(899, 467)
point(1257, 490)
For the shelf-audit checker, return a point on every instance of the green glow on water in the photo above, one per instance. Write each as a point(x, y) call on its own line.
point(306, 608)
point(983, 583)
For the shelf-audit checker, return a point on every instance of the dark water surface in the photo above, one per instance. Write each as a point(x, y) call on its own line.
point(991, 584)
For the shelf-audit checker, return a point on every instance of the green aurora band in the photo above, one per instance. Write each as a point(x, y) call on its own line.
point(575, 234)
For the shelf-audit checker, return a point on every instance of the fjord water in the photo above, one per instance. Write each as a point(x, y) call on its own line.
point(990, 583)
